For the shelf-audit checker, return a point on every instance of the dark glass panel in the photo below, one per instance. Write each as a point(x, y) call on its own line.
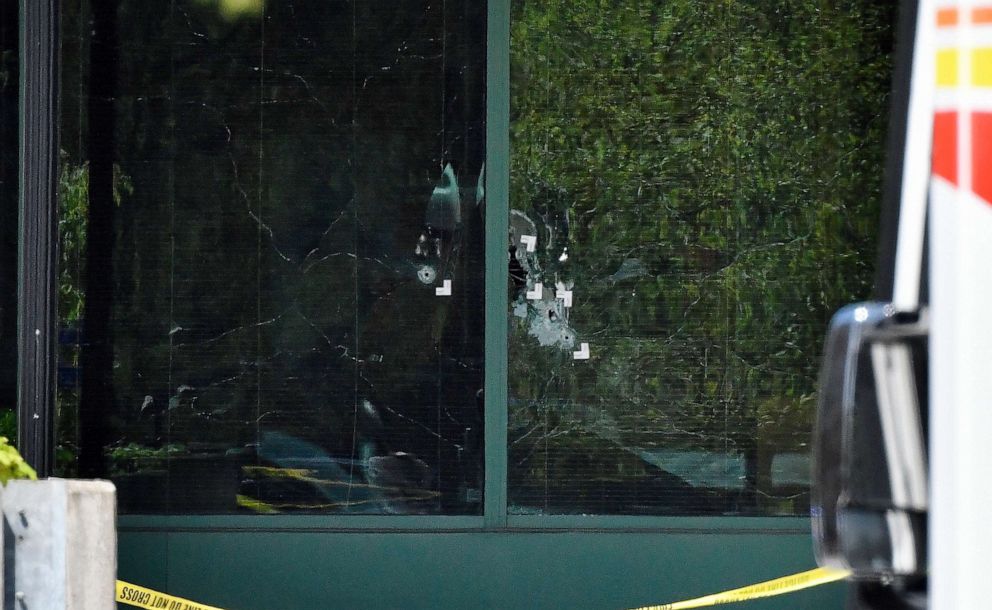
point(702, 180)
point(294, 186)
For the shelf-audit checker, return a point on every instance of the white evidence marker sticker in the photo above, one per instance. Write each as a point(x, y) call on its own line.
point(565, 295)
point(444, 290)
point(530, 241)
point(583, 353)
point(537, 294)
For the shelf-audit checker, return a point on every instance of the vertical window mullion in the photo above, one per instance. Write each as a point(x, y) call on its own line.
point(497, 220)
point(36, 323)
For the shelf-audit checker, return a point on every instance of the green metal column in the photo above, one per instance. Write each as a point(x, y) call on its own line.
point(497, 221)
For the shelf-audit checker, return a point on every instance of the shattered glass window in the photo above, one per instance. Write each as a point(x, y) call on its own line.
point(694, 190)
point(272, 245)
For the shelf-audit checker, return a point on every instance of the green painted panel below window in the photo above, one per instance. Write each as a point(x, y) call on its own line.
point(506, 570)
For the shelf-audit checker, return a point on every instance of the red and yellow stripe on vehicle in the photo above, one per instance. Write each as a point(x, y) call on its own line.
point(962, 134)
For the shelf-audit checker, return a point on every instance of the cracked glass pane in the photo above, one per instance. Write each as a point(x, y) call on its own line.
point(273, 253)
point(694, 189)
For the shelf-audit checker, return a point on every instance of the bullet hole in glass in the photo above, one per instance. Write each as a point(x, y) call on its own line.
point(426, 274)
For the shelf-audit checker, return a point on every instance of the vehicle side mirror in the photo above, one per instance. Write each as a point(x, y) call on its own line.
point(869, 496)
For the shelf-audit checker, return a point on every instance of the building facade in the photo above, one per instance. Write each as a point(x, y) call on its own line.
point(437, 304)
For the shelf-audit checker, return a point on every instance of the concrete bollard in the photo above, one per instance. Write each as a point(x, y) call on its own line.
point(59, 545)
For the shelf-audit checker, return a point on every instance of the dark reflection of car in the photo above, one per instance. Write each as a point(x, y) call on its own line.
point(581, 469)
point(295, 475)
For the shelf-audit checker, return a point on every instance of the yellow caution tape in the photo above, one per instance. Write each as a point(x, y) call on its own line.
point(769, 588)
point(140, 597)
